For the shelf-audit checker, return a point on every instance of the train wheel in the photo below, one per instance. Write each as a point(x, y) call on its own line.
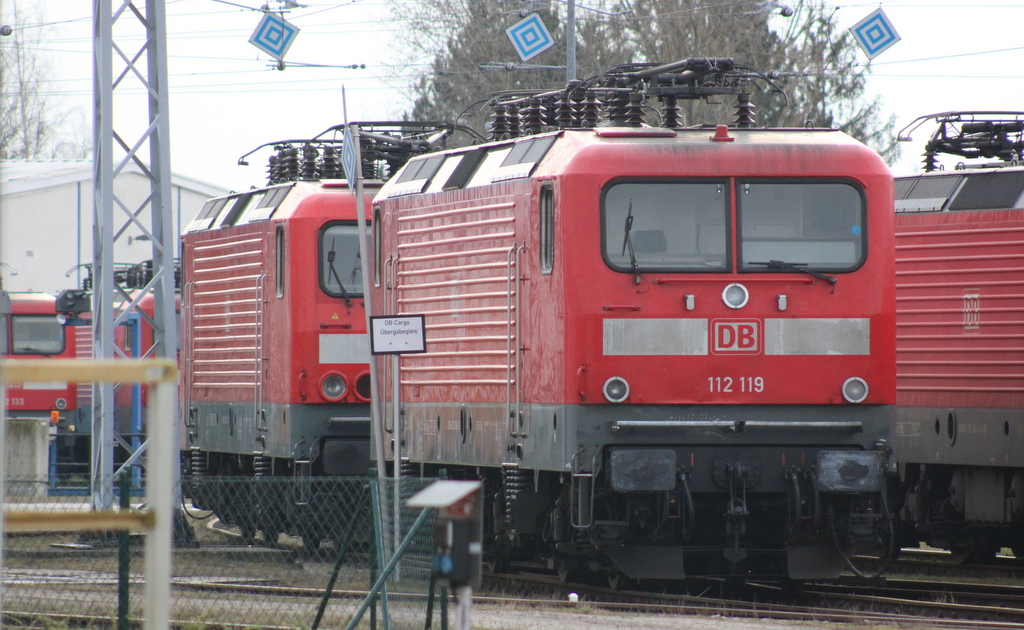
point(247, 529)
point(977, 550)
point(269, 522)
point(566, 570)
point(311, 539)
point(498, 563)
point(270, 533)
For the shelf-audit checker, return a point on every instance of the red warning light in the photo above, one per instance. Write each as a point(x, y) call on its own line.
point(722, 134)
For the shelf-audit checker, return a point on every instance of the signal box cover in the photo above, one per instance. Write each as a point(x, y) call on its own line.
point(442, 494)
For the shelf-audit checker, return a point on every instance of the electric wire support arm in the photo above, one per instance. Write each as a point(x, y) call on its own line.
point(971, 135)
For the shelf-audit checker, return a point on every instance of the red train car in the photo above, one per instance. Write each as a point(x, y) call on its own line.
point(32, 330)
point(960, 347)
point(275, 378)
point(665, 351)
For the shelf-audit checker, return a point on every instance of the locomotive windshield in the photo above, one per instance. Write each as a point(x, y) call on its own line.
point(807, 224)
point(341, 273)
point(36, 334)
point(677, 226)
point(3, 335)
point(782, 226)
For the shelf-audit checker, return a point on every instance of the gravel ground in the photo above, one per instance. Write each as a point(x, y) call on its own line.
point(595, 620)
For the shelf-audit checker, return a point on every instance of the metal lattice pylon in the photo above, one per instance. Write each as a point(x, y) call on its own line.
point(112, 153)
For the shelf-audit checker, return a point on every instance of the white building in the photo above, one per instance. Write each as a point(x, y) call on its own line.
point(46, 218)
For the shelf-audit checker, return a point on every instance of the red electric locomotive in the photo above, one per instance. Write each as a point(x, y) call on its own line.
point(275, 375)
point(960, 347)
point(666, 351)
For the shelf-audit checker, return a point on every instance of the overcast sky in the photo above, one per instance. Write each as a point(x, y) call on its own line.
point(227, 99)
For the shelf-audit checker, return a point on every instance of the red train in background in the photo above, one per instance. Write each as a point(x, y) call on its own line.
point(44, 325)
point(666, 351)
point(960, 342)
point(275, 378)
point(30, 329)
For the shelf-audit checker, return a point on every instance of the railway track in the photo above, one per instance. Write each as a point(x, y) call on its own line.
point(928, 598)
point(897, 600)
point(884, 601)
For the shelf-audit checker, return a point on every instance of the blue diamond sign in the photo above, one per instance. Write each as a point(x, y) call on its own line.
point(274, 35)
point(875, 34)
point(529, 37)
point(349, 157)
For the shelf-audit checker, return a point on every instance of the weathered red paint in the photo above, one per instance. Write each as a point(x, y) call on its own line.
point(557, 354)
point(960, 294)
point(21, 400)
point(220, 338)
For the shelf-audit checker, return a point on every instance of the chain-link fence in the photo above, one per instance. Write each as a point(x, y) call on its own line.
point(249, 552)
point(407, 586)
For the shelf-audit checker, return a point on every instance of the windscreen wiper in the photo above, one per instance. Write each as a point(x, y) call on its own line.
point(627, 242)
point(357, 269)
point(334, 272)
point(788, 266)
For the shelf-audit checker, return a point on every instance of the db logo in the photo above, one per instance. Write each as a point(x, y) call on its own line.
point(736, 336)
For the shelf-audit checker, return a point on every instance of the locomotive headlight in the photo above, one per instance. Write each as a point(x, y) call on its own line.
point(616, 389)
point(60, 403)
point(333, 386)
point(735, 295)
point(855, 390)
point(363, 392)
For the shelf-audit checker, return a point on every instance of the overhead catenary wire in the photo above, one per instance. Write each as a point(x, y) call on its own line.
point(375, 27)
point(243, 76)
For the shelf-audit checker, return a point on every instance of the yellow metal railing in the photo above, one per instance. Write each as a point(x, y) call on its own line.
point(157, 519)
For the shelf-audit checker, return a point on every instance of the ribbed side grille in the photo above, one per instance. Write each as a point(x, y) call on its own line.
point(457, 266)
point(224, 305)
point(83, 350)
point(960, 309)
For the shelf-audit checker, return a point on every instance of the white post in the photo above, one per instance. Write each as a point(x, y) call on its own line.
point(366, 256)
point(3, 434)
point(570, 41)
point(396, 382)
point(3, 475)
point(465, 605)
point(160, 497)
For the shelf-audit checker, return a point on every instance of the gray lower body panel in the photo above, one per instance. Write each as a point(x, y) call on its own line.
point(959, 436)
point(573, 438)
point(280, 431)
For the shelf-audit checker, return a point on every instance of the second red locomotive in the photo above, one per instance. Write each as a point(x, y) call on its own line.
point(275, 375)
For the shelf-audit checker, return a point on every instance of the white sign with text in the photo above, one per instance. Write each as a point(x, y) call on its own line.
point(397, 334)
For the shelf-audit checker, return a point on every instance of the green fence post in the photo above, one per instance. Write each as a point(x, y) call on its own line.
point(378, 526)
point(430, 600)
point(373, 580)
point(123, 556)
point(443, 474)
point(444, 608)
point(349, 535)
point(385, 573)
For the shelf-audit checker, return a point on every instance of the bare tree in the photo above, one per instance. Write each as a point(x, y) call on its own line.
point(816, 63)
point(827, 83)
point(464, 44)
point(34, 124)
